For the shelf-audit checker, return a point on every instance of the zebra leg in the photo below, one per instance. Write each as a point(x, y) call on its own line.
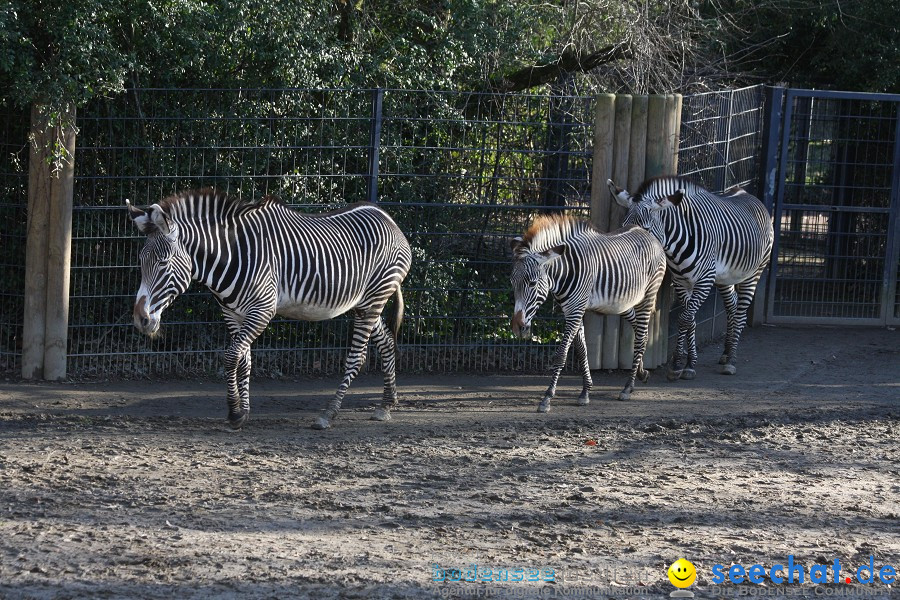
point(676, 366)
point(237, 362)
point(640, 322)
point(687, 330)
point(384, 341)
point(730, 300)
point(581, 356)
point(363, 324)
point(745, 292)
point(573, 324)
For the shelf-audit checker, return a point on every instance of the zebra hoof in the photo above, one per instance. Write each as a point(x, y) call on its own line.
point(674, 375)
point(322, 423)
point(723, 360)
point(543, 407)
point(644, 376)
point(728, 369)
point(381, 414)
point(584, 400)
point(237, 419)
point(688, 374)
point(624, 396)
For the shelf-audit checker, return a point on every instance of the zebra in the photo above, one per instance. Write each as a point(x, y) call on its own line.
point(584, 269)
point(710, 239)
point(263, 258)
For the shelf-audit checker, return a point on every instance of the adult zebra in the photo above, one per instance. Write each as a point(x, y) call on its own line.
point(584, 269)
point(262, 258)
point(709, 239)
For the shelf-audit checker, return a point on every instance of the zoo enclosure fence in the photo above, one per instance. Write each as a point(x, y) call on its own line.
point(460, 172)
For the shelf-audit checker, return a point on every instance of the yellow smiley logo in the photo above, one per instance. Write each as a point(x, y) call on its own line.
point(682, 573)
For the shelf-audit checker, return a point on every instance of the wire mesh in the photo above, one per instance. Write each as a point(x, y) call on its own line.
point(13, 215)
point(835, 209)
point(458, 172)
point(461, 173)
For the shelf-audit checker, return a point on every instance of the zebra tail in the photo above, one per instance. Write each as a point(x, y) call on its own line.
point(398, 313)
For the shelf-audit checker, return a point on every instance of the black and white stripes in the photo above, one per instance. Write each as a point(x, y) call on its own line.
point(584, 269)
point(261, 259)
point(709, 240)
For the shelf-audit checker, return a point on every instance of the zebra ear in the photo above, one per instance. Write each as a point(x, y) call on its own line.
point(516, 244)
point(161, 219)
point(623, 198)
point(141, 218)
point(673, 200)
point(553, 253)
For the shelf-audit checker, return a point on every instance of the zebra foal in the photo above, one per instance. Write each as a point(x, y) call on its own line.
point(584, 269)
point(710, 240)
point(263, 258)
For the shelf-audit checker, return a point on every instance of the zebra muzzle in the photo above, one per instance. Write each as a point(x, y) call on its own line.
point(519, 327)
point(142, 320)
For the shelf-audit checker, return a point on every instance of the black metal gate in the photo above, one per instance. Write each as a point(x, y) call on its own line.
point(837, 210)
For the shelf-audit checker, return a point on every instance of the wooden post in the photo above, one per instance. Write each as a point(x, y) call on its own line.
point(35, 301)
point(48, 249)
point(604, 133)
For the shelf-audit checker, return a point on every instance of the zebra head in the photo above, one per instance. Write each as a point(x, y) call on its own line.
point(165, 266)
point(530, 283)
point(643, 209)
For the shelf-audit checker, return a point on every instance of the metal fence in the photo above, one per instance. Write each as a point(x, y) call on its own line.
point(460, 172)
point(838, 210)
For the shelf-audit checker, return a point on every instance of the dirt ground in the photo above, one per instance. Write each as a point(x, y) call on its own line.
point(139, 489)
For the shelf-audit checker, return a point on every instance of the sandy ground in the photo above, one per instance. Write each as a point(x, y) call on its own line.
point(139, 489)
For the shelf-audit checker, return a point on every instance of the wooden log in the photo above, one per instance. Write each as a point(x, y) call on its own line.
point(622, 144)
point(35, 301)
point(604, 121)
point(630, 175)
point(59, 250)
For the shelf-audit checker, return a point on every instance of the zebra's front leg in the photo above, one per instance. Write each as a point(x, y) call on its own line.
point(243, 332)
point(573, 323)
point(387, 349)
point(687, 338)
point(581, 356)
point(356, 355)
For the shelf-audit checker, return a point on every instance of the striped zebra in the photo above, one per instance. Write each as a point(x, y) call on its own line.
point(262, 258)
point(584, 269)
point(710, 240)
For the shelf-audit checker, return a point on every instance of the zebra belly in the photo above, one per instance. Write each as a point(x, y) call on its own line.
point(312, 312)
point(614, 305)
point(726, 275)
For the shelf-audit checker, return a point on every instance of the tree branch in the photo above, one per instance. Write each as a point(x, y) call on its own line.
point(570, 61)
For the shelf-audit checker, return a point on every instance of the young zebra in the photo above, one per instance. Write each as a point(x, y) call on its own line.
point(261, 259)
point(709, 240)
point(617, 273)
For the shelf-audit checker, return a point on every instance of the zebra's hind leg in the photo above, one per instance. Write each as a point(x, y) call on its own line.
point(384, 341)
point(581, 355)
point(363, 324)
point(640, 322)
point(730, 300)
point(745, 292)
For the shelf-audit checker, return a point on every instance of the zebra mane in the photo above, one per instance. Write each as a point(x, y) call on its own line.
point(173, 201)
point(666, 182)
point(548, 231)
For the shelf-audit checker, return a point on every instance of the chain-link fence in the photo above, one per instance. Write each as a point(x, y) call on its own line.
point(461, 173)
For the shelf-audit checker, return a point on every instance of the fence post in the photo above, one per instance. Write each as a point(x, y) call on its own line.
point(374, 145)
point(51, 172)
point(602, 169)
point(768, 184)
